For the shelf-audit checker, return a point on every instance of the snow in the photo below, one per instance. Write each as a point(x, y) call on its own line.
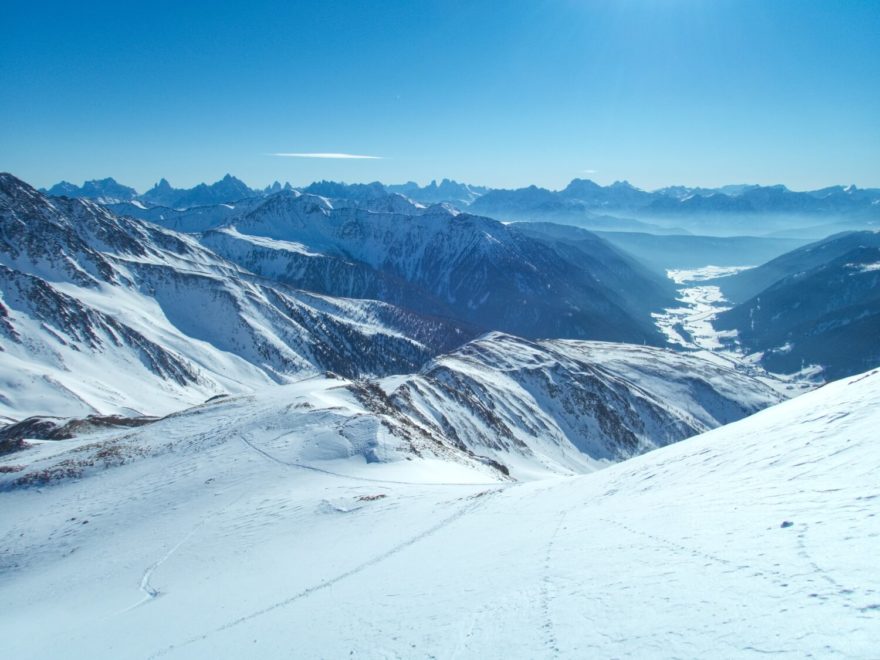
point(754, 538)
point(569, 406)
point(690, 326)
point(700, 305)
point(270, 243)
point(684, 276)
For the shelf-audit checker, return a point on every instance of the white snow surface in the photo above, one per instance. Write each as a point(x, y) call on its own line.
point(690, 326)
point(700, 304)
point(756, 538)
point(569, 406)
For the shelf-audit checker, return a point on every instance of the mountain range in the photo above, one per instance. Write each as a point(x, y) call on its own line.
point(582, 201)
point(311, 408)
point(103, 314)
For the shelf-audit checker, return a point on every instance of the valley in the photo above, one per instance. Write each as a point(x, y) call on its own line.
point(690, 325)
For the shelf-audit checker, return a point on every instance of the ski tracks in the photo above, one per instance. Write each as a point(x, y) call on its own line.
point(474, 502)
point(548, 626)
point(151, 592)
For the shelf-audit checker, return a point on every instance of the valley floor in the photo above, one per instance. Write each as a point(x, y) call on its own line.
point(756, 538)
point(690, 327)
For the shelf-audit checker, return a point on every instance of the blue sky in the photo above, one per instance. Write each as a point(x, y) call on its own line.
point(698, 92)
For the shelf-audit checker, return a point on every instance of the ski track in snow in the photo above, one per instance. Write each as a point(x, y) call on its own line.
point(476, 501)
point(149, 590)
point(547, 587)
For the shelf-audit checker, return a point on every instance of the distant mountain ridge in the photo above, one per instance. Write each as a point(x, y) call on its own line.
point(579, 197)
point(104, 191)
point(227, 189)
point(583, 196)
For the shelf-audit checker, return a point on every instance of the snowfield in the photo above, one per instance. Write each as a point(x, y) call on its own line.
point(235, 532)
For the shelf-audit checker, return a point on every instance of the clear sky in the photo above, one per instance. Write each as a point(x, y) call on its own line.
point(503, 93)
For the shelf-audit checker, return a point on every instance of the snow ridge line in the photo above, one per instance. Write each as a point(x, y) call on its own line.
point(477, 501)
point(303, 466)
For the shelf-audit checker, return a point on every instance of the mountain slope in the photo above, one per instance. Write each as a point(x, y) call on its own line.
point(828, 316)
point(190, 220)
point(756, 538)
point(570, 406)
point(101, 314)
point(528, 409)
point(476, 270)
point(742, 286)
point(638, 288)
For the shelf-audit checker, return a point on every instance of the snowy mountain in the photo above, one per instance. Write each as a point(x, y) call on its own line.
point(102, 314)
point(103, 191)
point(737, 209)
point(226, 190)
point(352, 191)
point(570, 406)
point(828, 315)
point(514, 407)
point(292, 524)
point(441, 262)
point(190, 220)
point(447, 191)
point(732, 209)
point(751, 282)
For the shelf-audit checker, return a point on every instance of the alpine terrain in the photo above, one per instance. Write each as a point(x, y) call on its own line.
point(343, 422)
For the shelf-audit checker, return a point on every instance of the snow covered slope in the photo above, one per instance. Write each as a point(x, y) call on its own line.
point(523, 409)
point(437, 261)
point(193, 219)
point(101, 314)
point(759, 537)
point(568, 406)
